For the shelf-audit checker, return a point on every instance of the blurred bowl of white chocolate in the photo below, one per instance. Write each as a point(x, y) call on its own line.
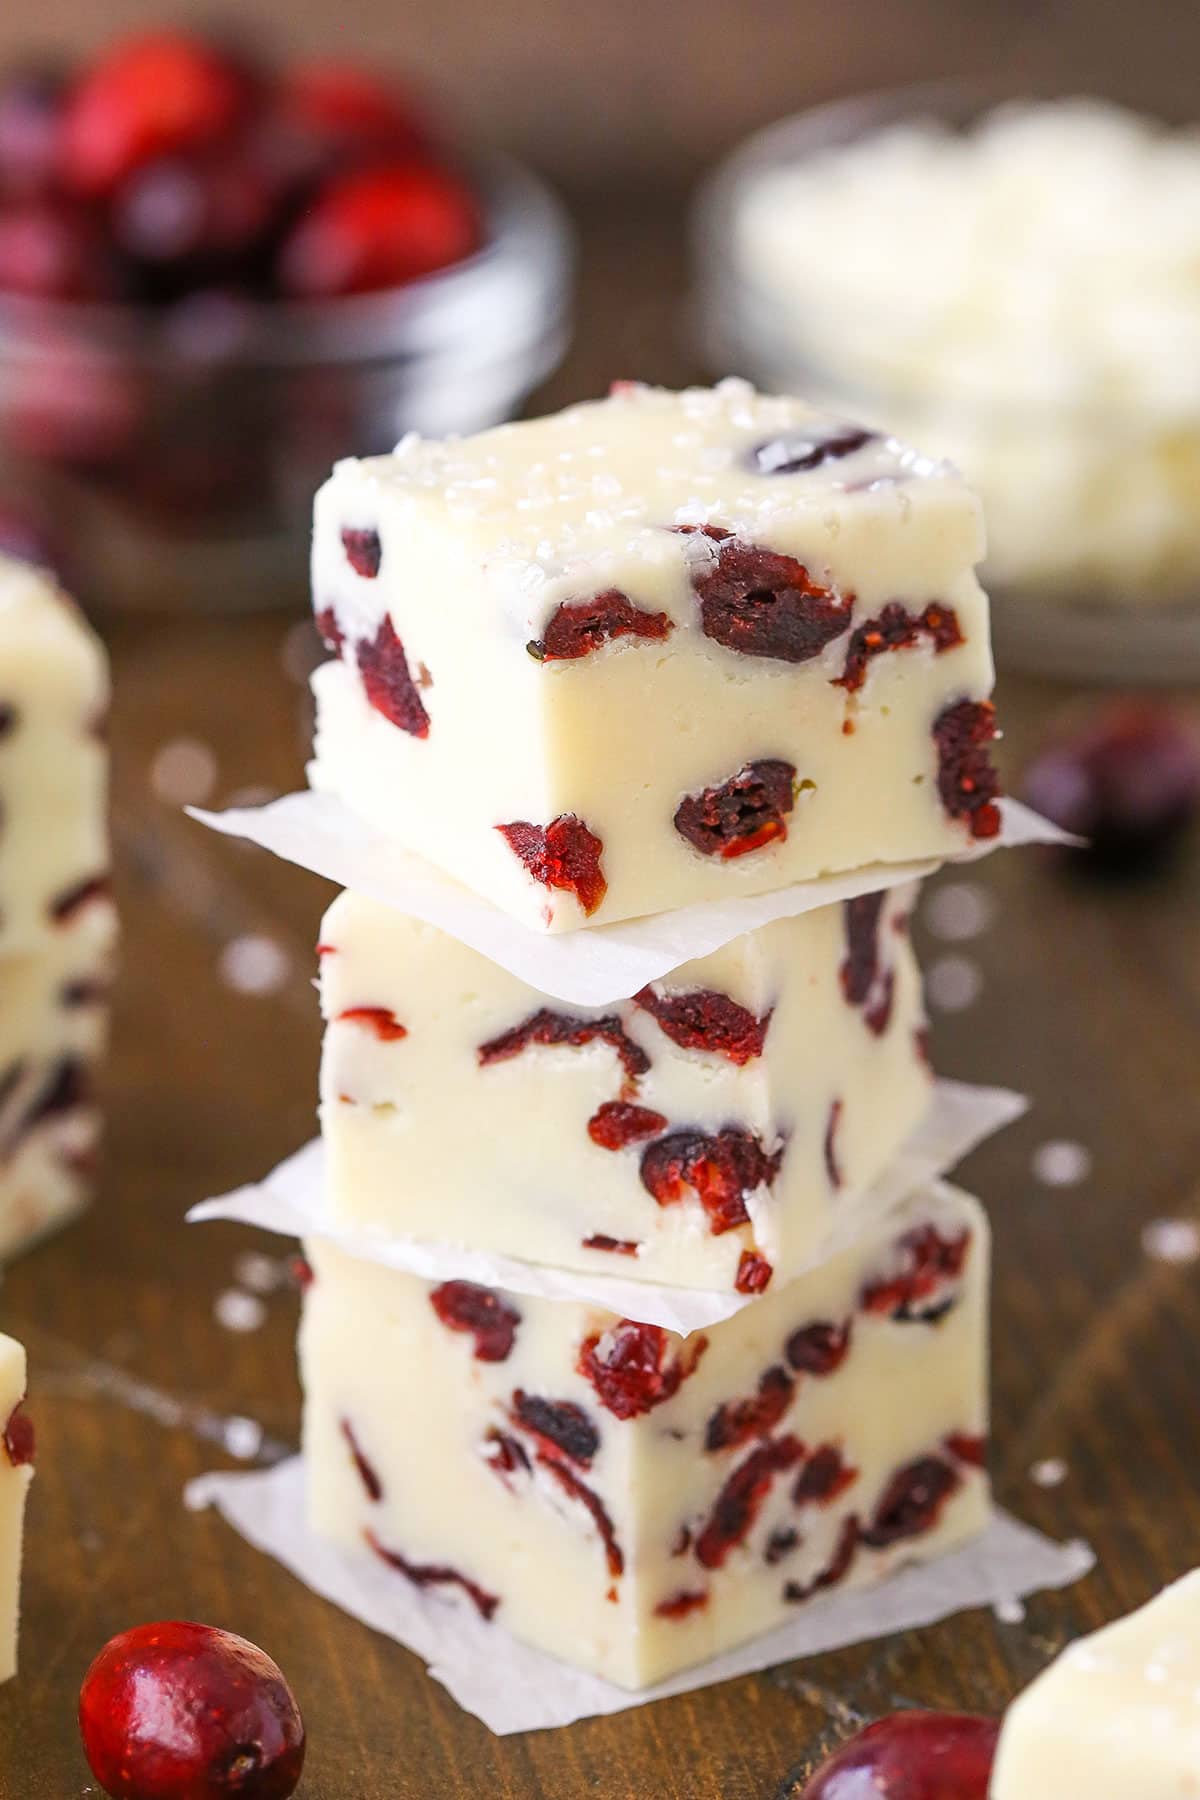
point(1013, 285)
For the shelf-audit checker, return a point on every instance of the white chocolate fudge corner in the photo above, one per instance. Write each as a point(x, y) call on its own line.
point(16, 1472)
point(1116, 1716)
point(54, 691)
point(655, 649)
point(634, 1502)
point(710, 1133)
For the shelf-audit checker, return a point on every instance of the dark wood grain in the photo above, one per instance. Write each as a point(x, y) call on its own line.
point(1090, 1001)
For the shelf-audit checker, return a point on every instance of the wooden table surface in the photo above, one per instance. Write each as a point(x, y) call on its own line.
point(1090, 1001)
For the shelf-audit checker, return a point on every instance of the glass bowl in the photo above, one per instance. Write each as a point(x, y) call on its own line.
point(1092, 499)
point(172, 457)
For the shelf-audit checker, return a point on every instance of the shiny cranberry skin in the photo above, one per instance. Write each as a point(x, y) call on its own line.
point(378, 228)
point(190, 221)
point(31, 105)
point(911, 1756)
point(179, 1711)
point(1129, 782)
point(160, 94)
point(341, 109)
point(51, 251)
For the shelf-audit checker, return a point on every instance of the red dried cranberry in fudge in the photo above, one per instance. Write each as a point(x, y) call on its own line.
point(576, 628)
point(761, 603)
point(741, 814)
point(563, 854)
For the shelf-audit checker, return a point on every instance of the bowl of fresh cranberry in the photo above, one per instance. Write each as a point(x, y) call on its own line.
point(216, 278)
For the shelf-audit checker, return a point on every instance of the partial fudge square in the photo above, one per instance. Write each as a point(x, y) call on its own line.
point(635, 1502)
point(54, 690)
point(655, 649)
point(16, 1472)
point(710, 1132)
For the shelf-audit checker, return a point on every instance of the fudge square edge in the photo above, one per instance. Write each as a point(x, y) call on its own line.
point(655, 649)
point(635, 1502)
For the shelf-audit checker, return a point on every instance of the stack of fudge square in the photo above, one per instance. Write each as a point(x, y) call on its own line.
point(655, 651)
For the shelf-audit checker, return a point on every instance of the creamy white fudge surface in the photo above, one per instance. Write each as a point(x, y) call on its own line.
point(708, 1133)
point(16, 1472)
point(1116, 1716)
point(655, 649)
point(635, 1502)
point(53, 1030)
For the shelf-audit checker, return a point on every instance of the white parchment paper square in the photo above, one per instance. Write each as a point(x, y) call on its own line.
point(514, 1688)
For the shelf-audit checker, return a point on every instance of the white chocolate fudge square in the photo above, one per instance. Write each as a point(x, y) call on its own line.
point(1116, 1716)
point(655, 649)
point(635, 1502)
point(709, 1133)
point(54, 693)
point(16, 1472)
point(54, 1006)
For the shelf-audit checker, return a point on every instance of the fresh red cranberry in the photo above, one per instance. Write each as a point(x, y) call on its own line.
point(367, 1473)
point(560, 1422)
point(364, 550)
point(491, 1320)
point(680, 1605)
point(345, 111)
point(1129, 782)
point(379, 228)
point(563, 854)
point(422, 1575)
point(160, 94)
point(388, 683)
point(898, 629)
point(833, 1167)
point(578, 627)
point(763, 604)
point(616, 1124)
point(741, 814)
point(577, 1489)
point(547, 1027)
point(179, 1711)
point(632, 1368)
point(20, 1442)
point(912, 1756)
point(49, 250)
point(191, 221)
point(797, 453)
point(818, 1349)
point(924, 1263)
point(912, 1503)
point(703, 1019)
point(31, 108)
point(377, 1019)
point(754, 1273)
point(741, 1499)
point(967, 782)
point(736, 1422)
point(825, 1476)
point(600, 1240)
point(722, 1171)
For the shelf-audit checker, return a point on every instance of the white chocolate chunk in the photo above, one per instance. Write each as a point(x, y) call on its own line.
point(53, 763)
point(454, 1105)
point(1116, 1716)
point(16, 1472)
point(825, 1436)
point(460, 705)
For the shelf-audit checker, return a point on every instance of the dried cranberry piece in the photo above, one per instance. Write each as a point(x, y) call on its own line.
point(740, 1501)
point(781, 1543)
point(912, 1756)
point(761, 603)
point(550, 1028)
point(878, 1015)
point(1129, 783)
point(703, 1019)
point(796, 453)
point(560, 1422)
point(741, 814)
point(927, 1262)
point(967, 781)
point(20, 1442)
point(912, 1502)
point(364, 550)
point(632, 1369)
point(83, 992)
point(897, 629)
point(302, 1273)
point(921, 1046)
point(735, 1422)
point(378, 1019)
point(836, 1569)
point(618, 1123)
point(754, 1273)
point(578, 1490)
point(366, 1469)
point(832, 1166)
point(176, 1710)
point(387, 683)
point(824, 1477)
point(722, 1171)
point(860, 966)
point(491, 1320)
point(818, 1349)
point(578, 627)
point(505, 1454)
point(968, 1447)
point(600, 1240)
point(435, 1575)
point(332, 635)
point(563, 854)
point(65, 906)
point(67, 1086)
point(681, 1604)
